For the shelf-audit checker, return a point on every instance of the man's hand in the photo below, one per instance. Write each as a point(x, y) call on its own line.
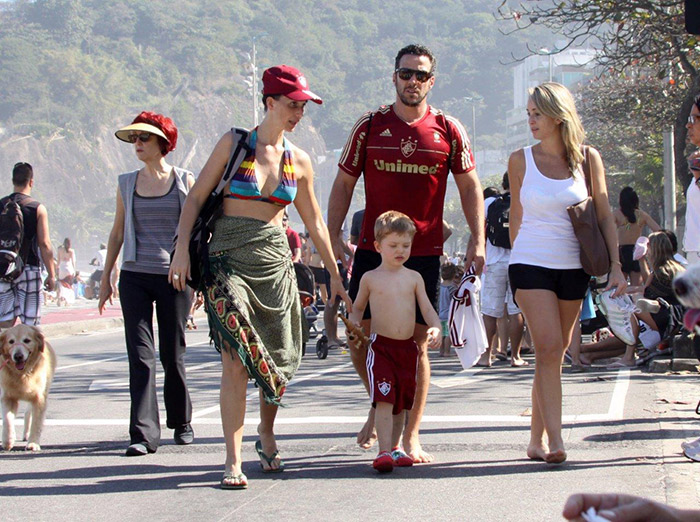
point(50, 283)
point(475, 255)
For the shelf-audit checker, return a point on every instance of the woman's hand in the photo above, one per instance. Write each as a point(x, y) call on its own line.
point(337, 290)
point(179, 271)
point(105, 295)
point(621, 508)
point(616, 279)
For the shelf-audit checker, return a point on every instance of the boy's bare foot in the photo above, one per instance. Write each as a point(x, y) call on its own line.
point(555, 457)
point(519, 362)
point(414, 449)
point(367, 435)
point(537, 451)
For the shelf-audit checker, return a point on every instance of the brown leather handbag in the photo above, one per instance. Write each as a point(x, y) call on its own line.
point(594, 256)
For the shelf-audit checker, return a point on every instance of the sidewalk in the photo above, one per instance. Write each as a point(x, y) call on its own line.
point(81, 316)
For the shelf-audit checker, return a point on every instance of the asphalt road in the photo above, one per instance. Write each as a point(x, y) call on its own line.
point(623, 431)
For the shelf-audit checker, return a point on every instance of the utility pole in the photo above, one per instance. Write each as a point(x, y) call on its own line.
point(669, 182)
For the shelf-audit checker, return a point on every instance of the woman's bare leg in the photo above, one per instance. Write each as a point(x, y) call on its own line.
point(543, 312)
point(232, 400)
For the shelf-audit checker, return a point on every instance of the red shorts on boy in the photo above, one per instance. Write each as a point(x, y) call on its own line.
point(392, 366)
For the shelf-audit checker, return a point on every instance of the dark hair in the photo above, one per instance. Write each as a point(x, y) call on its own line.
point(22, 174)
point(266, 96)
point(506, 182)
point(491, 192)
point(163, 123)
point(629, 202)
point(696, 101)
point(672, 238)
point(416, 50)
point(448, 271)
point(66, 244)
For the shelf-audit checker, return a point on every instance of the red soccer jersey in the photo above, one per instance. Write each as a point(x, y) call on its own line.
point(406, 169)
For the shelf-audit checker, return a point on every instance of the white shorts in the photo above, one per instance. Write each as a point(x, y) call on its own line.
point(496, 292)
point(22, 297)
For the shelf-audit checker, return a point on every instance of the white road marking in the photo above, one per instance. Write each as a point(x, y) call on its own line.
point(615, 410)
point(458, 379)
point(253, 394)
point(111, 384)
point(617, 403)
point(89, 363)
point(100, 361)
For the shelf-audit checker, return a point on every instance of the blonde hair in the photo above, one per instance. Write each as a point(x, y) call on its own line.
point(663, 265)
point(554, 100)
point(391, 222)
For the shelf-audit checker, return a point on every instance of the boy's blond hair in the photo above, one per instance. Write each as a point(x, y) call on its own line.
point(391, 222)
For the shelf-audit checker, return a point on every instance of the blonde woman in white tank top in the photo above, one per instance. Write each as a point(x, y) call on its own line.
point(545, 272)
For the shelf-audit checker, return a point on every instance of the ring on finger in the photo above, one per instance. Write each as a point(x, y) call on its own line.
point(176, 276)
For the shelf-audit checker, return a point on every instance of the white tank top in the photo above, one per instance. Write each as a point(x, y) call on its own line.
point(691, 237)
point(546, 237)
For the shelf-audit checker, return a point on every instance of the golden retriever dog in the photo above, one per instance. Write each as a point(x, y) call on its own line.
point(27, 366)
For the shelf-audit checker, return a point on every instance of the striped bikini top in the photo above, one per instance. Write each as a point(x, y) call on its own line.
point(244, 184)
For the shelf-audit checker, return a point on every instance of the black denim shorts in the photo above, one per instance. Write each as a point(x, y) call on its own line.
point(567, 284)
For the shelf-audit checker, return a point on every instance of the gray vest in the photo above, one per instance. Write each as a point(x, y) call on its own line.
point(127, 185)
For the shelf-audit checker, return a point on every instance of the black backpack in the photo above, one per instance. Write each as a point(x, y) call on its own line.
point(11, 237)
point(497, 221)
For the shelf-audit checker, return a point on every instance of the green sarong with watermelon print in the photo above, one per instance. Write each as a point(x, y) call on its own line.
point(253, 303)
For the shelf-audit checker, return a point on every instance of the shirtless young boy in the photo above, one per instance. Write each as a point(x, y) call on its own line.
point(392, 291)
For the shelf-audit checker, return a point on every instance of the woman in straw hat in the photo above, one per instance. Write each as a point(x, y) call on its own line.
point(148, 209)
point(251, 297)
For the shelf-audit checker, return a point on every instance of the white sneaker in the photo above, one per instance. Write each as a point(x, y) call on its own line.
point(618, 311)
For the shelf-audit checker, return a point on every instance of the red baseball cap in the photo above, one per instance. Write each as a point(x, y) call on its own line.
point(287, 80)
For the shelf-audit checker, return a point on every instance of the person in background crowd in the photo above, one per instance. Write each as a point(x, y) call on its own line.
point(691, 237)
point(148, 208)
point(21, 298)
point(630, 222)
point(293, 239)
point(496, 296)
point(66, 271)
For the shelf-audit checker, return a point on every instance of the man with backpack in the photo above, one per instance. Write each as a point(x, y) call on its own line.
point(24, 243)
point(496, 294)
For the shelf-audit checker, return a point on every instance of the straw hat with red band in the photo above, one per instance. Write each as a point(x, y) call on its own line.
point(124, 133)
point(289, 81)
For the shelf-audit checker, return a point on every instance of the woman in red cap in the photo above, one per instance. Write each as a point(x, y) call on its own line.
point(252, 300)
point(148, 209)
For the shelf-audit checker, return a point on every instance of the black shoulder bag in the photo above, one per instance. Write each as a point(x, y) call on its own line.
point(210, 212)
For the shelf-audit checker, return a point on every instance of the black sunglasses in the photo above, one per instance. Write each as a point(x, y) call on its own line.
point(143, 137)
point(406, 74)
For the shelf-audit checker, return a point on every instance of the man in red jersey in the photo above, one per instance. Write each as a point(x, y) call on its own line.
point(406, 151)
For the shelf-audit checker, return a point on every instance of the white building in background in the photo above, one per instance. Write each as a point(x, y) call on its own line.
point(571, 68)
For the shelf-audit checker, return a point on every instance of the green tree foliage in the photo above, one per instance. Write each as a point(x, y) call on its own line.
point(81, 62)
point(634, 37)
